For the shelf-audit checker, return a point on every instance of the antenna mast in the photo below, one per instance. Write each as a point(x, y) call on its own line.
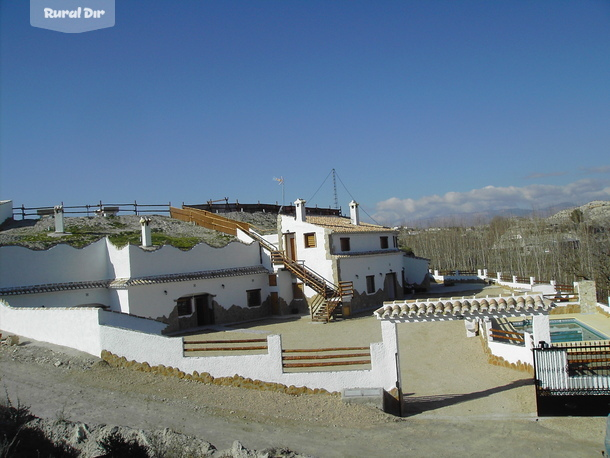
point(335, 189)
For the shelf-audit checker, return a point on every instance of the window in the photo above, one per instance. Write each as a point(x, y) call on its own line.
point(310, 240)
point(272, 280)
point(345, 243)
point(370, 284)
point(395, 241)
point(254, 297)
point(384, 242)
point(184, 306)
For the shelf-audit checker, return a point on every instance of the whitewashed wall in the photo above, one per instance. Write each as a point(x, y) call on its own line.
point(6, 210)
point(133, 323)
point(511, 353)
point(71, 298)
point(168, 259)
point(363, 266)
point(316, 258)
point(20, 266)
point(123, 335)
point(360, 242)
point(284, 285)
point(118, 261)
point(416, 269)
point(157, 350)
point(151, 300)
point(71, 327)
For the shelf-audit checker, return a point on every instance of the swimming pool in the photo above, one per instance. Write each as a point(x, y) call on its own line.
point(565, 330)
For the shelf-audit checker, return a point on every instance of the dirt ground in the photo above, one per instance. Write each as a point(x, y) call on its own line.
point(456, 403)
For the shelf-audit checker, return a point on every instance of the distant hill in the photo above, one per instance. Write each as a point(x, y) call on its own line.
point(596, 212)
point(484, 217)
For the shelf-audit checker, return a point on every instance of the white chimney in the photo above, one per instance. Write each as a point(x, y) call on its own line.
point(59, 218)
point(146, 237)
point(354, 214)
point(299, 207)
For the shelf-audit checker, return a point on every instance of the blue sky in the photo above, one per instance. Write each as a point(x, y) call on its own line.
point(424, 108)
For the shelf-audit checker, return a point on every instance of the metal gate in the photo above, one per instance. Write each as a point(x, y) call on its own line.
point(573, 379)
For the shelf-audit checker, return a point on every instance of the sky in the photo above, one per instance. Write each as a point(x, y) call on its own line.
point(424, 108)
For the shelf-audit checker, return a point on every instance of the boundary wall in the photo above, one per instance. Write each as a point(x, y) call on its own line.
point(512, 281)
point(93, 330)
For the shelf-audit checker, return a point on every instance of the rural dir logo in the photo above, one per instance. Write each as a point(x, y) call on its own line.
point(72, 16)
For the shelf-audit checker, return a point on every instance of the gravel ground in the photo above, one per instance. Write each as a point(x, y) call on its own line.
point(456, 403)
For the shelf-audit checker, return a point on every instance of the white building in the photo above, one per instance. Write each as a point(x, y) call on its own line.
point(242, 281)
point(185, 289)
point(348, 250)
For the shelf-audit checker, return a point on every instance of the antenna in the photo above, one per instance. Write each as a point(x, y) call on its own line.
point(335, 189)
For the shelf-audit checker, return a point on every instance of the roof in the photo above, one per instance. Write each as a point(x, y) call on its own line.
point(460, 309)
point(342, 224)
point(202, 275)
point(53, 287)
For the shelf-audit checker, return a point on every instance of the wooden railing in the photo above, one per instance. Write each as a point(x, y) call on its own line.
point(223, 346)
point(513, 337)
point(329, 297)
point(208, 220)
point(325, 357)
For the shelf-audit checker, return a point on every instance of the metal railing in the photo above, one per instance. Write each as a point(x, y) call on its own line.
point(92, 210)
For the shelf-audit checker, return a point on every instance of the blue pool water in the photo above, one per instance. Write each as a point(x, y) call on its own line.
point(565, 330)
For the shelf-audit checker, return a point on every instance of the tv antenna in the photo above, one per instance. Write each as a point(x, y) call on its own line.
point(335, 189)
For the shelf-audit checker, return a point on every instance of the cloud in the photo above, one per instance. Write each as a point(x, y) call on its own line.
point(490, 198)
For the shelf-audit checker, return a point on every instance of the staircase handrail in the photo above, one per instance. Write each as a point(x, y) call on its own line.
point(295, 264)
point(260, 239)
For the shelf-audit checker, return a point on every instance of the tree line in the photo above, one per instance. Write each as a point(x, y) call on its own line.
point(544, 248)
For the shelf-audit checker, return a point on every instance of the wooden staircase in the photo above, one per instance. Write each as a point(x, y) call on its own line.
point(327, 304)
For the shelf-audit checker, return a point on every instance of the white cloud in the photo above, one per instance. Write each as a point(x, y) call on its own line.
point(490, 198)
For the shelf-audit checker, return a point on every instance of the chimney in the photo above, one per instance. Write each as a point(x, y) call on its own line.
point(59, 218)
point(146, 237)
point(299, 207)
point(354, 214)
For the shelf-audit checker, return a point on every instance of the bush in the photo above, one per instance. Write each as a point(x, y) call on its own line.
point(18, 440)
point(115, 446)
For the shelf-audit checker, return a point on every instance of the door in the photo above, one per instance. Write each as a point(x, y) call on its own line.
point(205, 312)
point(291, 246)
point(275, 303)
point(390, 284)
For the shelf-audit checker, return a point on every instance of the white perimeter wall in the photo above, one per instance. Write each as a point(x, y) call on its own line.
point(511, 353)
point(71, 327)
point(81, 329)
point(6, 210)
